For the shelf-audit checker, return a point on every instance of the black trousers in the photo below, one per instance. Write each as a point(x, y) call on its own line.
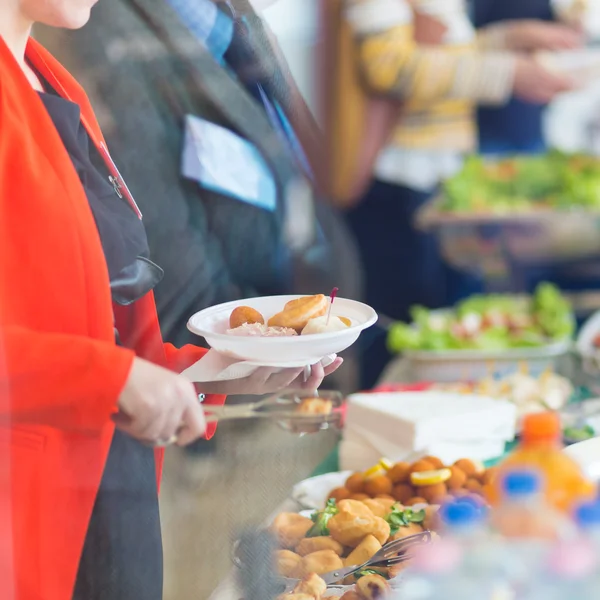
point(122, 555)
point(403, 266)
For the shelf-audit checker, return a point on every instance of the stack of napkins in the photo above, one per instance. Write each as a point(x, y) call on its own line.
point(406, 425)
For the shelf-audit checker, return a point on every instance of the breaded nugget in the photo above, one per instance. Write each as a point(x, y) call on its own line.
point(420, 466)
point(432, 521)
point(340, 493)
point(359, 497)
point(350, 529)
point(350, 595)
point(286, 562)
point(457, 479)
point(432, 493)
point(399, 473)
point(244, 314)
point(311, 584)
point(468, 466)
point(356, 483)
point(435, 461)
point(363, 552)
point(403, 492)
point(415, 500)
point(379, 484)
point(372, 587)
point(314, 544)
point(319, 562)
point(382, 530)
point(376, 507)
point(356, 507)
point(290, 529)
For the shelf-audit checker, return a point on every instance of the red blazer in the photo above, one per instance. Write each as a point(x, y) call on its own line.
point(60, 370)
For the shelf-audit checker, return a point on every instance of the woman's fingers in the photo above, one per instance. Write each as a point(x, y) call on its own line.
point(193, 424)
point(334, 366)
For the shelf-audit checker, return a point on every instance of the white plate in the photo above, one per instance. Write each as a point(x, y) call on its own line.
point(312, 493)
point(585, 345)
point(213, 323)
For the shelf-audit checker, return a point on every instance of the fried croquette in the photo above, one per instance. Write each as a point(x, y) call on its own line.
point(403, 492)
point(311, 584)
point(340, 493)
point(363, 552)
point(420, 466)
point(315, 544)
point(372, 587)
point(356, 483)
point(435, 461)
point(319, 562)
point(457, 479)
point(244, 314)
point(286, 562)
point(350, 529)
point(290, 529)
point(468, 466)
point(379, 484)
point(399, 473)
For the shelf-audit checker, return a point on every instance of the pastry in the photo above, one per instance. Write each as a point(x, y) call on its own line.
point(297, 313)
point(244, 314)
point(311, 584)
point(372, 587)
point(320, 325)
point(315, 544)
point(290, 529)
point(286, 562)
point(315, 406)
point(319, 562)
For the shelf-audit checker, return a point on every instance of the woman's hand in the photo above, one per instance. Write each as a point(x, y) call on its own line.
point(534, 36)
point(157, 404)
point(536, 84)
point(268, 380)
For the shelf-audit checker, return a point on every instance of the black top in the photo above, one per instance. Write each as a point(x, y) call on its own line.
point(122, 555)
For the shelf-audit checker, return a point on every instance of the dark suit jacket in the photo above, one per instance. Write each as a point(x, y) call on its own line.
point(144, 71)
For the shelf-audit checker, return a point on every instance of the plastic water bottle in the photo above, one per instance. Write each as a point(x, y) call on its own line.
point(435, 572)
point(482, 554)
point(587, 519)
point(529, 526)
point(568, 574)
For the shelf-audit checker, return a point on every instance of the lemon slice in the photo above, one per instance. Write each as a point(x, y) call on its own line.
point(373, 472)
point(346, 321)
point(386, 464)
point(430, 477)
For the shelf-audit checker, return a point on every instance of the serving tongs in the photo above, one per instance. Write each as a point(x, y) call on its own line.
point(284, 409)
point(393, 553)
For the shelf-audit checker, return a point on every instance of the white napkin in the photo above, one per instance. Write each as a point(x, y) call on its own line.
point(214, 366)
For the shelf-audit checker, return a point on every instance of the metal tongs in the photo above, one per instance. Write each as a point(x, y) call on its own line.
point(284, 409)
point(393, 553)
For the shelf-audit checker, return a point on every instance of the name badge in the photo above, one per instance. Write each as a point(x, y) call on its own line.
point(224, 162)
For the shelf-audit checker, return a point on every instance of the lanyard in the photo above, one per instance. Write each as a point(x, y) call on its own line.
point(115, 176)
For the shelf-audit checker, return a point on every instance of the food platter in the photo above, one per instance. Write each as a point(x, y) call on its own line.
point(213, 325)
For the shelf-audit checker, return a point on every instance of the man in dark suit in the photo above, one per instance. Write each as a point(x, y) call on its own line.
point(153, 65)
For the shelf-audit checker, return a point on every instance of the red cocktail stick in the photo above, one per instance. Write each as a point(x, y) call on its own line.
point(332, 296)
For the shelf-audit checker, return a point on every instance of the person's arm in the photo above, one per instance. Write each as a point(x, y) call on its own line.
point(64, 381)
point(394, 64)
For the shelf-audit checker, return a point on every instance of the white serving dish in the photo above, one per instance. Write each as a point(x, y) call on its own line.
point(213, 323)
point(587, 455)
point(311, 493)
point(590, 355)
point(471, 365)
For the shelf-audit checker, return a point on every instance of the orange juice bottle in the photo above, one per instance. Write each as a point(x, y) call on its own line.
point(541, 449)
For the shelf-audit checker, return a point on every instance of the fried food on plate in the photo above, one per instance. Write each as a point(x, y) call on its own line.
point(295, 596)
point(314, 544)
point(319, 562)
point(297, 313)
point(376, 507)
point(340, 493)
point(382, 530)
point(356, 507)
point(399, 473)
point(379, 484)
point(372, 587)
point(311, 584)
point(290, 529)
point(286, 562)
point(245, 314)
point(356, 483)
point(363, 552)
point(349, 529)
point(410, 529)
point(315, 406)
point(351, 595)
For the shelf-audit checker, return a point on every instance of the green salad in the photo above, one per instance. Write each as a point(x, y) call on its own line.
point(489, 323)
point(525, 183)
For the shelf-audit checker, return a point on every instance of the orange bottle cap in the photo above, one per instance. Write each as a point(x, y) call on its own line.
point(541, 426)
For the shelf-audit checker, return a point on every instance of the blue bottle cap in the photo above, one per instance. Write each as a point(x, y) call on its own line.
point(460, 514)
point(521, 482)
point(588, 514)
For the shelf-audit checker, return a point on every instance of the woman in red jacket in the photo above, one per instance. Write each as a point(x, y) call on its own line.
point(80, 347)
